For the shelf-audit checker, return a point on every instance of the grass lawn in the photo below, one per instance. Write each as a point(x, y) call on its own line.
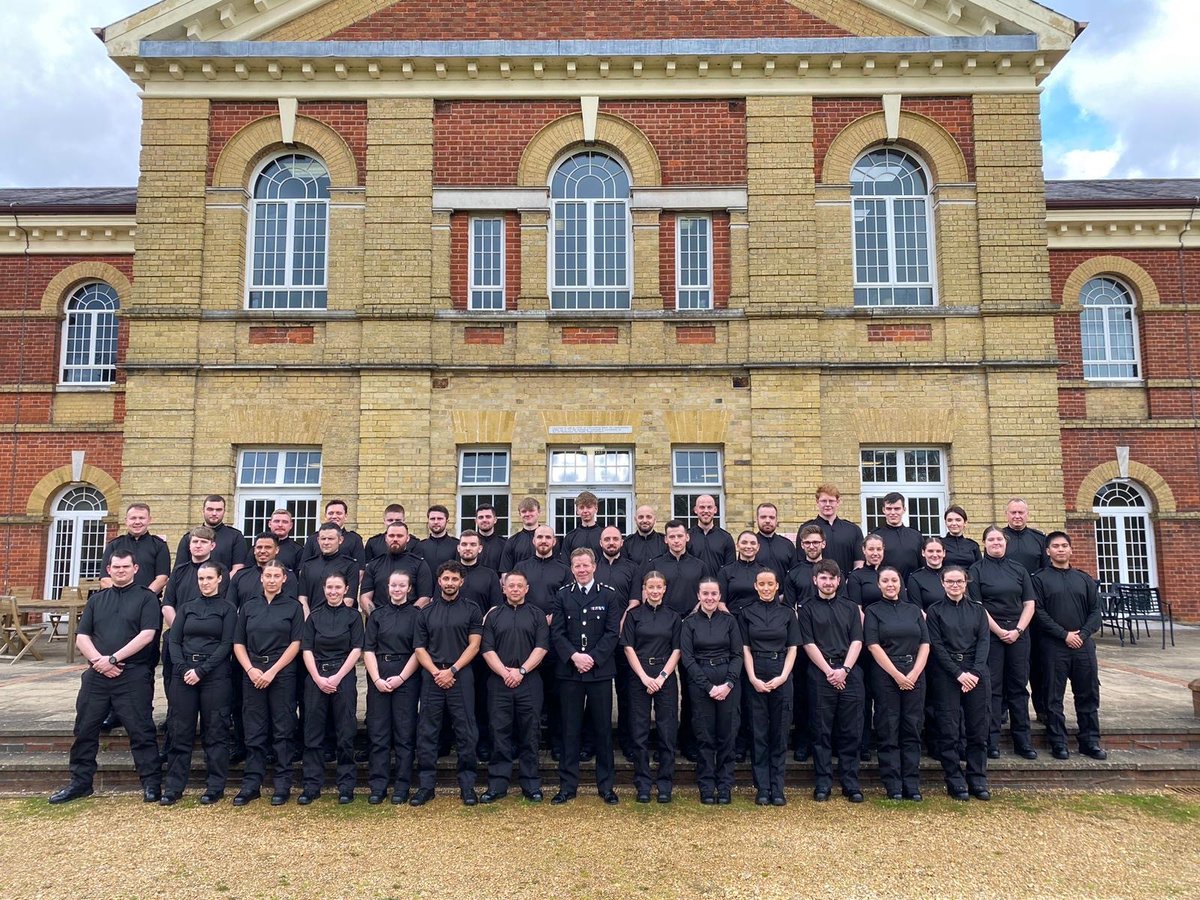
point(1020, 844)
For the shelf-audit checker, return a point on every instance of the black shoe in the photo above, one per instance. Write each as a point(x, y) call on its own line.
point(763, 799)
point(957, 795)
point(69, 793)
point(982, 794)
point(307, 797)
point(469, 798)
point(740, 756)
point(208, 798)
point(1026, 752)
point(533, 796)
point(664, 796)
point(1094, 752)
point(779, 800)
point(993, 752)
point(362, 756)
point(555, 754)
point(915, 797)
point(627, 752)
point(167, 799)
point(800, 755)
point(330, 756)
point(110, 722)
point(421, 797)
point(153, 794)
point(562, 797)
point(400, 797)
point(280, 799)
point(483, 754)
point(864, 755)
point(1058, 751)
point(345, 797)
point(896, 797)
point(271, 757)
point(723, 798)
point(853, 796)
point(492, 797)
point(236, 757)
point(163, 756)
point(374, 799)
point(587, 755)
point(820, 796)
point(691, 754)
point(243, 796)
point(643, 798)
point(611, 798)
point(708, 799)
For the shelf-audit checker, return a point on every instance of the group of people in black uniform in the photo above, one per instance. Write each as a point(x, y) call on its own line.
point(718, 647)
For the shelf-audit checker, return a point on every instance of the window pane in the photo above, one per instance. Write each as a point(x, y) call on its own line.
point(259, 466)
point(693, 247)
point(697, 467)
point(487, 264)
point(290, 205)
point(484, 467)
point(568, 467)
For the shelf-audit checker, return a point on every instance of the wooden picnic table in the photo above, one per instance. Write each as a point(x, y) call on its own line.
point(71, 608)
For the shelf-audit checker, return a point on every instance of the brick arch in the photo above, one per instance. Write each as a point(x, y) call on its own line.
point(261, 138)
point(566, 133)
point(54, 481)
point(1144, 288)
point(1162, 497)
point(55, 295)
point(923, 136)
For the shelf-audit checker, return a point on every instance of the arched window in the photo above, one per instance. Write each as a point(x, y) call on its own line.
point(76, 538)
point(1108, 330)
point(289, 235)
point(1124, 535)
point(90, 335)
point(893, 235)
point(589, 256)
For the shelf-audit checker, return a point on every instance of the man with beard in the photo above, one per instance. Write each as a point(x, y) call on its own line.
point(775, 552)
point(493, 542)
point(708, 541)
point(336, 512)
point(229, 544)
point(397, 557)
point(645, 543)
point(377, 543)
point(439, 547)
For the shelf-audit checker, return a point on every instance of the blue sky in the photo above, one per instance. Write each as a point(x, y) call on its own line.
point(1125, 103)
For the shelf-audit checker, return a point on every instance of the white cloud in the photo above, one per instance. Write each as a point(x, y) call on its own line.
point(1089, 164)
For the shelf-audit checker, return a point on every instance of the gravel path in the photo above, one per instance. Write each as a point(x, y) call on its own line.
point(1019, 845)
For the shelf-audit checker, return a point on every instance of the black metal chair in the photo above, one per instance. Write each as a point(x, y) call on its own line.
point(1142, 603)
point(1112, 614)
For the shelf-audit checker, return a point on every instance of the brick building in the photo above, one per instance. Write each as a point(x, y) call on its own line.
point(457, 252)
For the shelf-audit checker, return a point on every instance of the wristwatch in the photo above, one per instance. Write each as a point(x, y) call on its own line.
point(454, 670)
point(113, 661)
point(521, 669)
point(847, 668)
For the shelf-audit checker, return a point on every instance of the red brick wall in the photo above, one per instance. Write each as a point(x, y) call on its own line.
point(348, 119)
point(600, 334)
point(553, 19)
point(480, 142)
point(37, 454)
point(695, 334)
point(1072, 403)
point(720, 261)
point(1173, 454)
point(460, 253)
point(484, 335)
point(832, 115)
point(1162, 265)
point(41, 270)
point(1173, 403)
point(281, 334)
point(899, 334)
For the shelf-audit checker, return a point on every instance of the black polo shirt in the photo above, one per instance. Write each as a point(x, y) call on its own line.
point(714, 547)
point(960, 629)
point(704, 637)
point(777, 553)
point(901, 548)
point(517, 547)
point(843, 542)
point(960, 551)
point(683, 580)
point(545, 577)
point(182, 586)
point(833, 625)
point(863, 586)
point(482, 586)
point(586, 621)
point(580, 537)
point(331, 632)
point(1002, 586)
point(493, 550)
point(896, 626)
point(392, 630)
point(619, 574)
point(642, 547)
point(437, 550)
point(352, 546)
point(513, 632)
point(737, 584)
point(379, 571)
point(376, 545)
point(769, 627)
point(315, 571)
point(445, 627)
point(1027, 547)
point(290, 552)
point(1067, 600)
point(653, 633)
point(230, 551)
point(247, 583)
point(115, 616)
point(268, 629)
point(149, 552)
point(925, 587)
point(203, 626)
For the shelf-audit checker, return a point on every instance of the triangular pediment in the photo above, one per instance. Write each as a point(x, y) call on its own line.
point(428, 20)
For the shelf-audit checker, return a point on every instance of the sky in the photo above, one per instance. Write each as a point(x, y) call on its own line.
point(1124, 103)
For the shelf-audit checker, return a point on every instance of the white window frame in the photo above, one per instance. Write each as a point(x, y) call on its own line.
point(623, 293)
point(684, 490)
point(1123, 522)
point(1111, 286)
point(484, 490)
point(312, 296)
point(483, 297)
point(613, 492)
point(863, 289)
point(81, 532)
point(99, 367)
point(277, 491)
point(924, 499)
point(699, 295)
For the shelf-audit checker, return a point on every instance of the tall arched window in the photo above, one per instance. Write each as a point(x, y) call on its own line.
point(589, 256)
point(893, 234)
point(77, 532)
point(1124, 535)
point(1108, 329)
point(89, 342)
point(289, 235)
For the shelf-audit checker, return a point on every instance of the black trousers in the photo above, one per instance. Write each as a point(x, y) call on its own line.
point(836, 728)
point(1063, 664)
point(1008, 666)
point(866, 663)
point(595, 699)
point(957, 714)
point(130, 695)
point(801, 735)
point(269, 720)
point(664, 703)
point(392, 731)
point(516, 715)
point(716, 728)
point(342, 709)
point(209, 701)
point(624, 679)
point(482, 718)
point(237, 727)
point(457, 704)
point(899, 716)
point(770, 716)
point(1039, 672)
